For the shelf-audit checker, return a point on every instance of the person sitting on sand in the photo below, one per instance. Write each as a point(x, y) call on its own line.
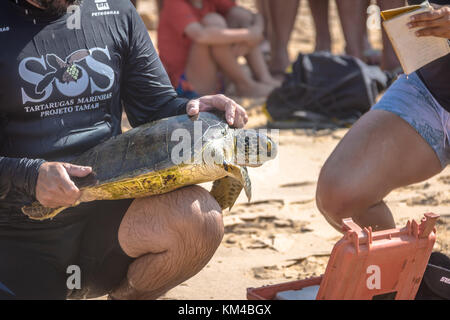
point(62, 92)
point(199, 38)
point(403, 139)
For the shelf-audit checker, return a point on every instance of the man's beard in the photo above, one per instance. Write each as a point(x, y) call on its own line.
point(56, 7)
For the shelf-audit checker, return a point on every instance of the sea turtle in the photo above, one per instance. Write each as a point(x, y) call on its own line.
point(167, 154)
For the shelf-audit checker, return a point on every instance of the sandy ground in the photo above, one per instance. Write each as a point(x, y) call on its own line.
point(280, 235)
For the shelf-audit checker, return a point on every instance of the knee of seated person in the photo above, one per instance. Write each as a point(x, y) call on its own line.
point(201, 217)
point(335, 199)
point(240, 19)
point(214, 20)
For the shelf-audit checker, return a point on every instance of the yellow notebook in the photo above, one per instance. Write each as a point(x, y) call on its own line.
point(412, 51)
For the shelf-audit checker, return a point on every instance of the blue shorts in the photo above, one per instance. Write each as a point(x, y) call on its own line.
point(409, 98)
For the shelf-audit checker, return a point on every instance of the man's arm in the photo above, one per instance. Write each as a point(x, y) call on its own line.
point(19, 175)
point(48, 182)
point(251, 33)
point(147, 93)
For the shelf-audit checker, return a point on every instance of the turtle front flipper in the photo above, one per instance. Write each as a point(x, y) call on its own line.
point(227, 190)
point(38, 212)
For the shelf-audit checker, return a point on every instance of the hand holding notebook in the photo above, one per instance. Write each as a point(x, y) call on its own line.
point(412, 50)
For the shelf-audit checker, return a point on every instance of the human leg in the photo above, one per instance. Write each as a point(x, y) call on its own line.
point(389, 60)
point(319, 10)
point(352, 14)
point(172, 236)
point(401, 141)
point(205, 60)
point(283, 15)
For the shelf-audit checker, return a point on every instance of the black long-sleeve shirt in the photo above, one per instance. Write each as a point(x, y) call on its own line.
point(64, 82)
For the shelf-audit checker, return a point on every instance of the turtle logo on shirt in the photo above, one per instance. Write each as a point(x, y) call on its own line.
point(73, 76)
point(64, 71)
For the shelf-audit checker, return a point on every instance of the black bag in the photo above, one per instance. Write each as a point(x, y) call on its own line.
point(322, 86)
point(435, 283)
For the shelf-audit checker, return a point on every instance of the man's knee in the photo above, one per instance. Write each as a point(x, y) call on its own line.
point(188, 217)
point(214, 20)
point(336, 198)
point(201, 221)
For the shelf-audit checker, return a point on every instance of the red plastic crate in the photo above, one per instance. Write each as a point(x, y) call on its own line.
point(367, 265)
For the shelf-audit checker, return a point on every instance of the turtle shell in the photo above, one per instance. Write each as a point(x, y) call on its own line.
point(141, 163)
point(149, 148)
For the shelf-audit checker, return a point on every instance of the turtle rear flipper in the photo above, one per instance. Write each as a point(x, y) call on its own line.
point(227, 190)
point(38, 212)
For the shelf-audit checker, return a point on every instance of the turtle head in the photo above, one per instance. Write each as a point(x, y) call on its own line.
point(253, 147)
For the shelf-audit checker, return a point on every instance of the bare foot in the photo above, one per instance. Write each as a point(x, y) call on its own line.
point(279, 63)
point(323, 44)
point(278, 76)
point(272, 82)
point(255, 90)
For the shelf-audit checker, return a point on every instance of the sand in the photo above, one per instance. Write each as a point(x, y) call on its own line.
point(280, 235)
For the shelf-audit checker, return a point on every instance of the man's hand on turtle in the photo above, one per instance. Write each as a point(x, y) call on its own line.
point(434, 23)
point(235, 114)
point(54, 187)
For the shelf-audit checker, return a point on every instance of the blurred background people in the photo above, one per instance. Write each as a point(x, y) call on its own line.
point(353, 16)
point(197, 39)
point(280, 18)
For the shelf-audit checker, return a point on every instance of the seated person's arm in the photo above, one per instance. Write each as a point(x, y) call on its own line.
point(211, 35)
point(434, 23)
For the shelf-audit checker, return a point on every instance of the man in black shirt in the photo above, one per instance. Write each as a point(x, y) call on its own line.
point(404, 139)
point(65, 76)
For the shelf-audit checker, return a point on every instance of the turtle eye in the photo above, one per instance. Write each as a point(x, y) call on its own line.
point(247, 148)
point(269, 149)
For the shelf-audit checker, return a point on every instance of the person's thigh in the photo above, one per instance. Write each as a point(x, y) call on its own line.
point(34, 257)
point(401, 141)
point(201, 70)
point(28, 275)
point(158, 223)
point(103, 263)
point(380, 153)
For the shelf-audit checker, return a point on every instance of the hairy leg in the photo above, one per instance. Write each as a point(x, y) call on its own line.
point(283, 15)
point(173, 236)
point(319, 10)
point(380, 153)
